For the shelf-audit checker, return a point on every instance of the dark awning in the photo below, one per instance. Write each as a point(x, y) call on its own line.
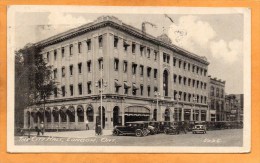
point(135, 86)
point(126, 85)
point(117, 84)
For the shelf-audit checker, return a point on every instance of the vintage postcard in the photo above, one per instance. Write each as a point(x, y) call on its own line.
point(129, 79)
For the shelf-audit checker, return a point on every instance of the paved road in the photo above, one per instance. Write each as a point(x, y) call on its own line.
point(230, 137)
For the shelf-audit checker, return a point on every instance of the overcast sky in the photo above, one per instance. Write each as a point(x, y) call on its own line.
point(219, 37)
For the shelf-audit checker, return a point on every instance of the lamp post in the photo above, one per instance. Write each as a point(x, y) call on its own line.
point(194, 101)
point(101, 89)
point(177, 96)
point(157, 94)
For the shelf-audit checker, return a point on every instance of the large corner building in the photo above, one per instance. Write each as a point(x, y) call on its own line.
point(142, 78)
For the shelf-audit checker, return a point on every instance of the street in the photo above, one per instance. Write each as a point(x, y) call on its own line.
point(228, 137)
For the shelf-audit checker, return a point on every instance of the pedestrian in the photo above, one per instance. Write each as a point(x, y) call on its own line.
point(42, 127)
point(87, 127)
point(37, 130)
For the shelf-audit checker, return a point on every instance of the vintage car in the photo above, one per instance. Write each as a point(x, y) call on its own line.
point(199, 128)
point(173, 128)
point(156, 127)
point(137, 128)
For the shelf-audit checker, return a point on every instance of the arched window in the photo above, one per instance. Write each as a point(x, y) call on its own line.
point(63, 114)
point(71, 114)
point(55, 113)
point(80, 113)
point(48, 114)
point(90, 114)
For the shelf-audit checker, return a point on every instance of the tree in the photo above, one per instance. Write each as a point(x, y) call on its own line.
point(33, 80)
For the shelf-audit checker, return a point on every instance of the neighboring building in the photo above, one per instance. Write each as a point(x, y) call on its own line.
point(217, 99)
point(135, 65)
point(235, 107)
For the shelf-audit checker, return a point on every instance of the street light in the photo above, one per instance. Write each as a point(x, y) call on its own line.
point(157, 94)
point(178, 97)
point(101, 89)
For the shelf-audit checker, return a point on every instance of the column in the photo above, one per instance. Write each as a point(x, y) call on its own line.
point(76, 117)
point(191, 114)
point(182, 114)
point(199, 115)
point(52, 119)
point(85, 113)
point(207, 115)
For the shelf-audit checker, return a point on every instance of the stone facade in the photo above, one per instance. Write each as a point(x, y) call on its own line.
point(146, 78)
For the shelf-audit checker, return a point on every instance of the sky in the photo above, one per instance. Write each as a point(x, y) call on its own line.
point(218, 37)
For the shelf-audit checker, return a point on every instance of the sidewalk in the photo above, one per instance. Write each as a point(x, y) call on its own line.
point(75, 134)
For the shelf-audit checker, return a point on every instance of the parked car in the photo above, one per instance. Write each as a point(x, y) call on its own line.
point(138, 128)
point(155, 125)
point(173, 128)
point(199, 129)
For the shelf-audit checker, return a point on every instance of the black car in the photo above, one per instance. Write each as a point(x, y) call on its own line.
point(173, 128)
point(138, 129)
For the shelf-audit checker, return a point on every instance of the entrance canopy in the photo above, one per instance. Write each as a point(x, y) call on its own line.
point(137, 110)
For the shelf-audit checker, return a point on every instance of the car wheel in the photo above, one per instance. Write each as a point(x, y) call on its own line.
point(115, 133)
point(138, 133)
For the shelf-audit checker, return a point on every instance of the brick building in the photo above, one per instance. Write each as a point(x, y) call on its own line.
point(138, 71)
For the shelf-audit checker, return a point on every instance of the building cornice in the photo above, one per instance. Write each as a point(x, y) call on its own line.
point(122, 27)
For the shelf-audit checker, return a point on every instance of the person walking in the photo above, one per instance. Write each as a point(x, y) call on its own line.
point(42, 127)
point(87, 127)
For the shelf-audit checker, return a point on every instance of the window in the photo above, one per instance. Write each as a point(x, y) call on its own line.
point(116, 63)
point(80, 89)
point(125, 66)
point(198, 83)
point(115, 41)
point(89, 66)
point(179, 63)
point(184, 65)
point(164, 57)
point(126, 87)
point(134, 68)
point(201, 85)
point(71, 90)
point(168, 58)
point(193, 68)
point(141, 50)
point(71, 49)
point(134, 89)
point(184, 80)
point(133, 47)
point(184, 96)
point(48, 57)
point(141, 90)
point(201, 70)
point(79, 47)
point(205, 85)
point(188, 66)
point(90, 114)
point(100, 41)
point(148, 91)
point(141, 70)
point(89, 44)
point(125, 45)
point(55, 92)
point(89, 87)
point(174, 61)
point(149, 71)
point(155, 89)
point(63, 91)
point(205, 72)
point(193, 83)
point(80, 68)
point(55, 73)
point(189, 81)
point(55, 55)
point(63, 71)
point(222, 93)
point(71, 69)
point(174, 78)
point(100, 63)
point(148, 53)
point(155, 55)
point(180, 79)
point(175, 94)
point(155, 73)
point(117, 86)
point(212, 91)
point(62, 52)
point(198, 70)
point(217, 92)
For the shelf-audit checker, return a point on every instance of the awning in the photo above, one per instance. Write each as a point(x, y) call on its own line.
point(135, 86)
point(117, 84)
point(126, 85)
